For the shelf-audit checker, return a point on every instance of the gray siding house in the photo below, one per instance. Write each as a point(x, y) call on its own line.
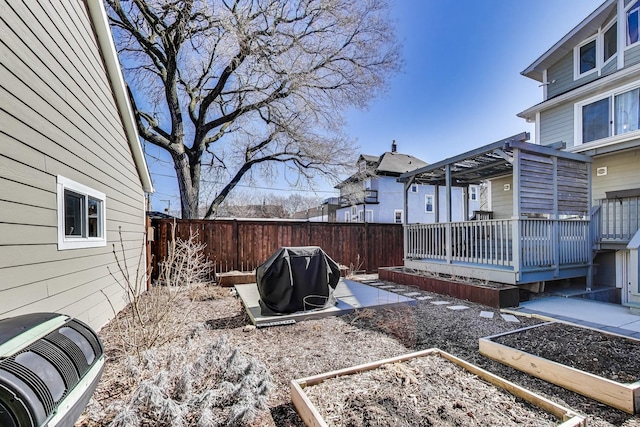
point(591, 103)
point(566, 205)
point(72, 171)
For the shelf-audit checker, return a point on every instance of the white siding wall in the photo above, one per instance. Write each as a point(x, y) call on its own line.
point(58, 117)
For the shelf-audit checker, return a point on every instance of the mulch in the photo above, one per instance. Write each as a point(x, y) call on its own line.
point(321, 345)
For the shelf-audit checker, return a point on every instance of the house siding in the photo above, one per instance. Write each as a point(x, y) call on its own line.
point(622, 173)
point(562, 73)
point(610, 67)
point(557, 125)
point(391, 198)
point(632, 56)
point(58, 116)
point(501, 200)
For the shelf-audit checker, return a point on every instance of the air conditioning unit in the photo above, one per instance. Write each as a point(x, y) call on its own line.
point(50, 364)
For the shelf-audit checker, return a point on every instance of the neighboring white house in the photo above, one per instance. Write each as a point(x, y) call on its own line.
point(72, 171)
point(591, 103)
point(373, 193)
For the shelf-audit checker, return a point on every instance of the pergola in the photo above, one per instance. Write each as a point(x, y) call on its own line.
point(546, 235)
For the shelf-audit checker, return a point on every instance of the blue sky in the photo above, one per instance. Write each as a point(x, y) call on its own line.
point(460, 87)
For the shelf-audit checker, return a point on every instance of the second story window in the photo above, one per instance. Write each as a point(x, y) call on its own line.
point(594, 53)
point(414, 188)
point(362, 166)
point(428, 203)
point(610, 42)
point(615, 114)
point(586, 57)
point(473, 193)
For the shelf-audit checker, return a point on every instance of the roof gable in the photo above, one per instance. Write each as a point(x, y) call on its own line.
point(583, 30)
point(398, 163)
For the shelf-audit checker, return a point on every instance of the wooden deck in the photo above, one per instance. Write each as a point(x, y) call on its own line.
point(514, 251)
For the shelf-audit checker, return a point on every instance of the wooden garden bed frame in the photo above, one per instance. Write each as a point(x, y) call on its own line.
point(618, 395)
point(312, 417)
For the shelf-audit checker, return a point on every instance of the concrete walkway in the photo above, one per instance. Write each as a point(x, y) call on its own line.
point(594, 314)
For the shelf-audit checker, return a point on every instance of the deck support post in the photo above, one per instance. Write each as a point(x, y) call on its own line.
point(516, 228)
point(449, 242)
point(591, 239)
point(405, 215)
point(555, 216)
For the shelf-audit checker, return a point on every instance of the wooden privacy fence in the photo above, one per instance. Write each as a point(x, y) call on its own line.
point(245, 244)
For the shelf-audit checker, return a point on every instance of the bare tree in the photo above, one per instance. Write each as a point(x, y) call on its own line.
point(252, 205)
point(238, 87)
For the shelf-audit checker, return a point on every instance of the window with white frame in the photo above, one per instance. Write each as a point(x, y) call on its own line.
point(633, 23)
point(616, 113)
point(596, 51)
point(354, 211)
point(398, 216)
point(367, 184)
point(473, 193)
point(610, 41)
point(347, 217)
point(81, 215)
point(586, 57)
point(369, 216)
point(414, 188)
point(428, 203)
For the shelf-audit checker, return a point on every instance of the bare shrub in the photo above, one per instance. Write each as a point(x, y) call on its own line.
point(195, 384)
point(154, 320)
point(355, 268)
point(185, 263)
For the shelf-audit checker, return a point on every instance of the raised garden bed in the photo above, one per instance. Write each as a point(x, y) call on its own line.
point(595, 364)
point(429, 387)
point(231, 278)
point(493, 295)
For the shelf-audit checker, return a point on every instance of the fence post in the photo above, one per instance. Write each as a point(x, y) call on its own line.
point(235, 237)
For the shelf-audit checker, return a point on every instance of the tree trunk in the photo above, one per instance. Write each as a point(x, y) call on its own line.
point(188, 184)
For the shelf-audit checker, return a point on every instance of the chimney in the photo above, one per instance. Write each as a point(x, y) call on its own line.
point(394, 146)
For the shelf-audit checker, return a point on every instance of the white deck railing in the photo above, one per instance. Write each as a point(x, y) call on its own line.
point(539, 243)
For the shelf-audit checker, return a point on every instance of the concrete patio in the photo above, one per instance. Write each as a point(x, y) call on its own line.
point(607, 317)
point(350, 296)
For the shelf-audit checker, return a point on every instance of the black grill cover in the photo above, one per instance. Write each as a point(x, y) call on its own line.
point(296, 279)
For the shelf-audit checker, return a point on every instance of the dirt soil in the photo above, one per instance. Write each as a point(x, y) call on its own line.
point(608, 356)
point(425, 391)
point(315, 346)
